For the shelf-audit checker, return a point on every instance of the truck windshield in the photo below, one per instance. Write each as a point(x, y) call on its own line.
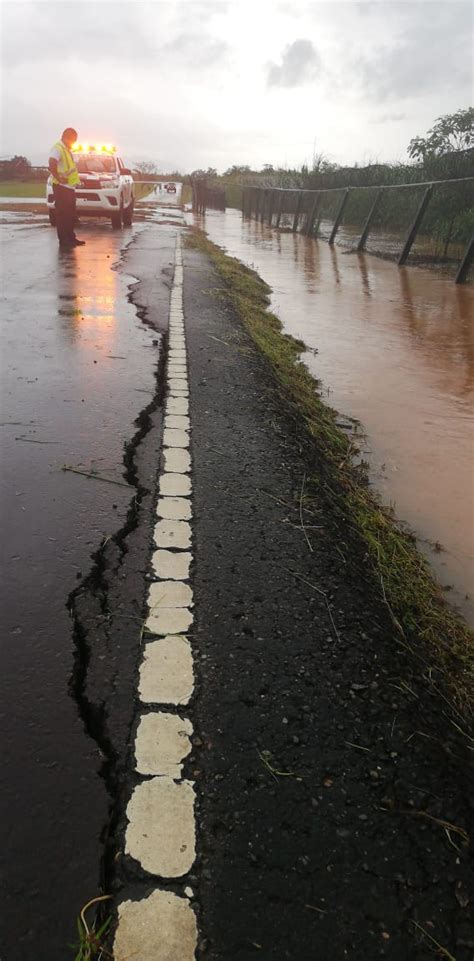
point(94, 165)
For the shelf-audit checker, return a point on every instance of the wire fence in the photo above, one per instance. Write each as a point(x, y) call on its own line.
point(424, 223)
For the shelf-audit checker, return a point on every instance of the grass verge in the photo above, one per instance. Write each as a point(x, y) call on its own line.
point(432, 631)
point(18, 188)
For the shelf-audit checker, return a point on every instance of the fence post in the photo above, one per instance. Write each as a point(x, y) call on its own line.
point(313, 214)
point(280, 207)
point(414, 227)
point(339, 216)
point(297, 211)
point(270, 207)
point(365, 232)
point(466, 262)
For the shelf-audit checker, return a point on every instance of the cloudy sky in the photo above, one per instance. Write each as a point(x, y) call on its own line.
point(192, 84)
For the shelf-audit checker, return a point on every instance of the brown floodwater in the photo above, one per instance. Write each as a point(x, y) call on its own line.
point(393, 349)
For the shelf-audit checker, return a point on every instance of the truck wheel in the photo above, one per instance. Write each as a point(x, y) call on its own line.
point(128, 215)
point(52, 217)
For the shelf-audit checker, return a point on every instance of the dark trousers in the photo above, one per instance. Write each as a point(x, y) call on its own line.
point(65, 209)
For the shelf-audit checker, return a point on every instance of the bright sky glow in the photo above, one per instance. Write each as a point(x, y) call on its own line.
point(195, 84)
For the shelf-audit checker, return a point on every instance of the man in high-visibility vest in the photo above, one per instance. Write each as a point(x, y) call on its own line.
point(65, 181)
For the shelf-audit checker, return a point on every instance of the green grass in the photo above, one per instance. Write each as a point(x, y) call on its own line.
point(424, 622)
point(16, 188)
point(142, 190)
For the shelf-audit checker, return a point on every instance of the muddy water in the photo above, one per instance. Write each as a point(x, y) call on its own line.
point(393, 349)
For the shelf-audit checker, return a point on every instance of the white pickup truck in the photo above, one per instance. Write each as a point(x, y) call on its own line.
point(106, 188)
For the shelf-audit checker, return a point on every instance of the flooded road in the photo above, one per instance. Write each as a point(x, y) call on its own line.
point(78, 366)
point(393, 349)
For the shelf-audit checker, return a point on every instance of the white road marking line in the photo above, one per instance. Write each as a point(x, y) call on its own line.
point(166, 673)
point(177, 460)
point(166, 594)
point(163, 742)
point(161, 927)
point(175, 485)
point(177, 421)
point(161, 833)
point(175, 438)
point(169, 620)
point(173, 534)
point(174, 508)
point(177, 405)
point(161, 825)
point(171, 565)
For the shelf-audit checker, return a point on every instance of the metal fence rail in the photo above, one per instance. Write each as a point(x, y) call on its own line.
point(320, 213)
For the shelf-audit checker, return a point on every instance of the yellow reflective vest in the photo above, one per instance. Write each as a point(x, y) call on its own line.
point(66, 166)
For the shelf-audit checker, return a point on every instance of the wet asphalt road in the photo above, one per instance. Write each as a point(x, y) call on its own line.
point(78, 366)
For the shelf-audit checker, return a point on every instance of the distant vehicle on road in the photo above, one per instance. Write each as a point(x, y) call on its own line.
point(171, 188)
point(106, 188)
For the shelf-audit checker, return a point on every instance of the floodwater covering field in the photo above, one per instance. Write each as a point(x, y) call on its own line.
point(394, 350)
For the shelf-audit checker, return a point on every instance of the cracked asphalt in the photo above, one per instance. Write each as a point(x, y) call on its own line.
point(328, 780)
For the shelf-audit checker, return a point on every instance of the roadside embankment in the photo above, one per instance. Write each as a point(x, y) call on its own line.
point(434, 634)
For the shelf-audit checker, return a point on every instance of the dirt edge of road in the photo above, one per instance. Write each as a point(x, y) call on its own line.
point(433, 633)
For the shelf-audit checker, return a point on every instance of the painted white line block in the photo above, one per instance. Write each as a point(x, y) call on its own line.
point(177, 460)
point(177, 357)
point(161, 927)
point(177, 365)
point(169, 595)
point(175, 485)
point(173, 534)
point(161, 834)
point(174, 508)
point(183, 392)
point(169, 620)
point(177, 342)
point(172, 437)
point(176, 422)
point(177, 405)
point(171, 565)
point(162, 743)
point(166, 673)
point(181, 375)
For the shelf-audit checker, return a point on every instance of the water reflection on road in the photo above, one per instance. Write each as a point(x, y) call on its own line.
point(77, 367)
point(394, 349)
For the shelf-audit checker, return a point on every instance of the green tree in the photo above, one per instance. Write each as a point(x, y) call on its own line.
point(454, 131)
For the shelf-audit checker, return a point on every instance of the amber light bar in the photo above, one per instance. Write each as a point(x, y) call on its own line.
point(93, 148)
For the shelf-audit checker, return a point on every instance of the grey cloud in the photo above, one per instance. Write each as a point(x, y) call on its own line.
point(36, 32)
point(390, 118)
point(196, 50)
point(433, 53)
point(300, 63)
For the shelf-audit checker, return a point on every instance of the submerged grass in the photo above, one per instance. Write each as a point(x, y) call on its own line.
point(433, 632)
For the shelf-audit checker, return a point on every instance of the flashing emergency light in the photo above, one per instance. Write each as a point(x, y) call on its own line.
point(93, 148)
